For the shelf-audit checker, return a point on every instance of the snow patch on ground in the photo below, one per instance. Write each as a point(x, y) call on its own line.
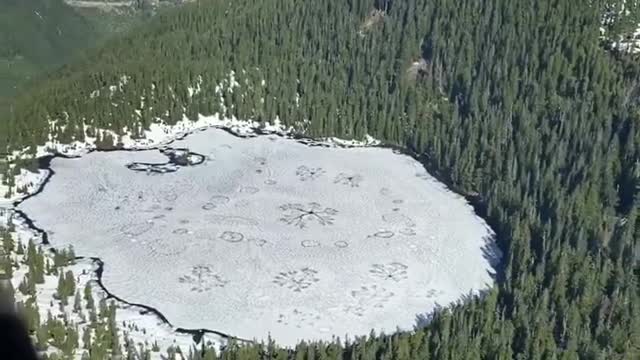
point(628, 42)
point(27, 182)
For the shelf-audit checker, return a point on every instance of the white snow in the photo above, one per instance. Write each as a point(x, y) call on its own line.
point(28, 182)
point(157, 135)
point(269, 236)
point(628, 42)
point(144, 328)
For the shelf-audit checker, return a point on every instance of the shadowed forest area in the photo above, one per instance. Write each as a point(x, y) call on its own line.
point(38, 35)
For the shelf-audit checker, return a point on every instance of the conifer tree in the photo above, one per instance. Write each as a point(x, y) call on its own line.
point(88, 297)
point(42, 338)
point(31, 314)
point(7, 240)
point(77, 303)
point(86, 338)
point(20, 249)
point(61, 291)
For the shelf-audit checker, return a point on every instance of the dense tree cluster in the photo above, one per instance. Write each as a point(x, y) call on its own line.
point(514, 103)
point(620, 18)
point(37, 35)
point(88, 331)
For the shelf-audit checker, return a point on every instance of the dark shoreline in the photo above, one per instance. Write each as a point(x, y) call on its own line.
point(196, 333)
point(177, 158)
point(44, 163)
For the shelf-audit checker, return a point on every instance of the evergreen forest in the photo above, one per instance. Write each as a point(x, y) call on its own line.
point(521, 106)
point(37, 35)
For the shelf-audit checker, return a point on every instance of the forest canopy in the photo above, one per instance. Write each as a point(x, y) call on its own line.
point(37, 35)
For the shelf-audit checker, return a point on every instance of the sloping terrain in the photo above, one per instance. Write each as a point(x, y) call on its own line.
point(517, 103)
point(36, 35)
point(620, 28)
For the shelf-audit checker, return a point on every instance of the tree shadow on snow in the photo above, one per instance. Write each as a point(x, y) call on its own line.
point(493, 255)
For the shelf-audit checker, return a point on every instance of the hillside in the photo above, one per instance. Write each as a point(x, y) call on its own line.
point(516, 104)
point(37, 35)
point(117, 16)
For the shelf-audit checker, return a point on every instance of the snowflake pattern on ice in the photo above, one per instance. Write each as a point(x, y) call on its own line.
point(350, 180)
point(301, 215)
point(297, 280)
point(392, 271)
point(202, 278)
point(306, 173)
point(368, 298)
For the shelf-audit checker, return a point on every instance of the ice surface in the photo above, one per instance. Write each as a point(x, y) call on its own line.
point(139, 326)
point(270, 236)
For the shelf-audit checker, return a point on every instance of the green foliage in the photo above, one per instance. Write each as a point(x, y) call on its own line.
point(86, 338)
point(6, 249)
point(7, 293)
point(42, 338)
point(38, 34)
point(7, 240)
point(64, 257)
point(88, 297)
point(621, 17)
point(35, 261)
point(77, 303)
point(71, 341)
point(66, 287)
point(30, 313)
point(27, 286)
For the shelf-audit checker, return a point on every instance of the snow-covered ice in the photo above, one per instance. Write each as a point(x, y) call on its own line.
point(270, 236)
point(138, 325)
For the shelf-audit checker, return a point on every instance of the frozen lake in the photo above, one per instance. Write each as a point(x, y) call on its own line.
point(267, 235)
